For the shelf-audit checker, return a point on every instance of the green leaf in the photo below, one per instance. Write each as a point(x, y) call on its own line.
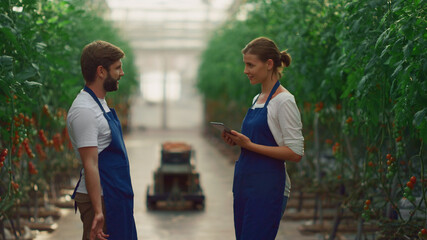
point(407, 49)
point(5, 20)
point(371, 63)
point(32, 84)
point(4, 87)
point(6, 62)
point(10, 35)
point(26, 74)
point(420, 116)
point(40, 47)
point(64, 23)
point(382, 37)
point(356, 24)
point(53, 19)
point(385, 50)
point(398, 68)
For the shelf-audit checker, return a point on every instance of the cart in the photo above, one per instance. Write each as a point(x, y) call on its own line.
point(176, 182)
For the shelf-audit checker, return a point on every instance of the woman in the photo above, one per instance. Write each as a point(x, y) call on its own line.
point(271, 134)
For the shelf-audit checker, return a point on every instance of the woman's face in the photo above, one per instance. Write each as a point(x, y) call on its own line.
point(256, 70)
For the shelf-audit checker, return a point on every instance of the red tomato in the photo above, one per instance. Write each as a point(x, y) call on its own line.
point(413, 179)
point(4, 152)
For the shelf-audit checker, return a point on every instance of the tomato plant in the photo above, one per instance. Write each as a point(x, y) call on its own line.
point(39, 78)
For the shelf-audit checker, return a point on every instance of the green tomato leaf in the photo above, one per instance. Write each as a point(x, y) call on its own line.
point(382, 38)
point(420, 116)
point(6, 62)
point(27, 74)
point(407, 49)
point(398, 69)
point(32, 84)
point(53, 19)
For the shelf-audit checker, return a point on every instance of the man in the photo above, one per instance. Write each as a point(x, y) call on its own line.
point(104, 194)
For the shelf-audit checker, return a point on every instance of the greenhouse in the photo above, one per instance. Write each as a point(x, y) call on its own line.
point(337, 144)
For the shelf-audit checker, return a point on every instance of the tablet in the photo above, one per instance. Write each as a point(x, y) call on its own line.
point(220, 126)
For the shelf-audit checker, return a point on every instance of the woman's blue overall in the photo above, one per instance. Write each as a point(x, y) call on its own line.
point(116, 184)
point(259, 181)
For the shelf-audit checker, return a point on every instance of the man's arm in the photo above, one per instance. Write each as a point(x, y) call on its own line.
point(89, 157)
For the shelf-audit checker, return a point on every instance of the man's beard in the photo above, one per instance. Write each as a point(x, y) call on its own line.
point(110, 84)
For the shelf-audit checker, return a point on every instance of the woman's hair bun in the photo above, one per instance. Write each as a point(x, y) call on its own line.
point(285, 58)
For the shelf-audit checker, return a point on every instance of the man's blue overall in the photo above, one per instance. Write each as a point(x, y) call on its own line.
point(116, 184)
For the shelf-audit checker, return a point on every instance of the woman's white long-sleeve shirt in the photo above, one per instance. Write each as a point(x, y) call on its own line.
point(284, 121)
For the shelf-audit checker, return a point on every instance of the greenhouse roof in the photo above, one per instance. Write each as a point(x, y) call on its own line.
point(169, 24)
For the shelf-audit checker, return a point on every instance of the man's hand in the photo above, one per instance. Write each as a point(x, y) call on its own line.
point(96, 231)
point(89, 156)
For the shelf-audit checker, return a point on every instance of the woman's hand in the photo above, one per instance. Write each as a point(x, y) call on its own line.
point(238, 139)
point(226, 137)
point(283, 153)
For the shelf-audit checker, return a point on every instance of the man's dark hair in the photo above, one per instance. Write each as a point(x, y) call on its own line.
point(98, 53)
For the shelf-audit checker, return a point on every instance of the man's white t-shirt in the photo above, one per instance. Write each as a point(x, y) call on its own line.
point(88, 127)
point(284, 121)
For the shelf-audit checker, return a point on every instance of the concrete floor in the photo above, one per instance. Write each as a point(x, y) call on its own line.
point(215, 222)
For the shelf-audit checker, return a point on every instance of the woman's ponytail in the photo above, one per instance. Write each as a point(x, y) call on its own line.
point(285, 58)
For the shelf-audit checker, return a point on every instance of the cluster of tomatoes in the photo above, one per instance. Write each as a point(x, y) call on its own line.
point(28, 150)
point(366, 210)
point(40, 152)
point(335, 148)
point(3, 157)
point(422, 234)
point(32, 168)
point(46, 110)
point(408, 189)
point(319, 106)
point(57, 142)
point(392, 167)
point(15, 186)
point(21, 119)
point(43, 138)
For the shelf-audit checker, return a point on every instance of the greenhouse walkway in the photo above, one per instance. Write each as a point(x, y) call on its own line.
point(215, 222)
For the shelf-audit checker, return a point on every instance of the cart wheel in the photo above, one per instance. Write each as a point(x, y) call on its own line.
point(151, 205)
point(199, 205)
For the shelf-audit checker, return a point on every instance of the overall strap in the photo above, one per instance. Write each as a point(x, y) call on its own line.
point(75, 191)
point(94, 97)
point(269, 97)
point(276, 86)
